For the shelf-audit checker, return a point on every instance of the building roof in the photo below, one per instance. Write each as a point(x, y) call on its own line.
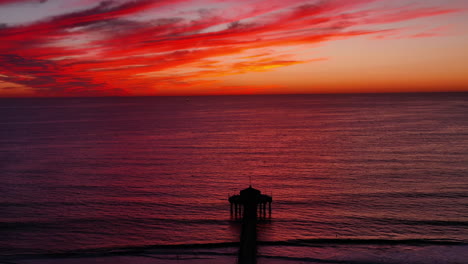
point(250, 192)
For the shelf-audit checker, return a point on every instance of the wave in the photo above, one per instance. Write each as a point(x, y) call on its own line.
point(411, 222)
point(441, 195)
point(179, 249)
point(84, 223)
point(213, 247)
point(341, 241)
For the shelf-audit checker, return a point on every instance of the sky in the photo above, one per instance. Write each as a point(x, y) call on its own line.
point(56, 48)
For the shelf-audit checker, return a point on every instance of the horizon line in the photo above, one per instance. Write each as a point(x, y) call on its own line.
point(234, 94)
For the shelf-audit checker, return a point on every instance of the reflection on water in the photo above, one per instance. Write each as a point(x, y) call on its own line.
point(118, 172)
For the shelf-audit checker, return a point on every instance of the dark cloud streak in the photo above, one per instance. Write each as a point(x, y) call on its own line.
point(46, 77)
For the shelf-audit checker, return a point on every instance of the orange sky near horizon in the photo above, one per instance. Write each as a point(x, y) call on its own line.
point(208, 47)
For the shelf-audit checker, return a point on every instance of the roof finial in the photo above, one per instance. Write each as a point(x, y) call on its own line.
point(250, 181)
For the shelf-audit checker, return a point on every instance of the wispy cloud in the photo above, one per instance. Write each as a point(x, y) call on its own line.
point(132, 47)
point(4, 2)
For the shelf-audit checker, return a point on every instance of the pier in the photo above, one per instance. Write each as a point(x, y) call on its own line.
point(249, 206)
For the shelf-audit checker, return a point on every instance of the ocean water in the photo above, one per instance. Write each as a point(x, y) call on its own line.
point(354, 178)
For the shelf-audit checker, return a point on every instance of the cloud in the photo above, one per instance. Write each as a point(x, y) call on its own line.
point(4, 2)
point(48, 78)
point(136, 47)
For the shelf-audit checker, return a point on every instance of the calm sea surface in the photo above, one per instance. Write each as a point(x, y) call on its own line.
point(358, 178)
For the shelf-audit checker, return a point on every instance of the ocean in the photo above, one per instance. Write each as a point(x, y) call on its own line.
point(360, 179)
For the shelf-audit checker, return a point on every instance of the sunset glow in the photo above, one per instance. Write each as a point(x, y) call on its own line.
point(171, 47)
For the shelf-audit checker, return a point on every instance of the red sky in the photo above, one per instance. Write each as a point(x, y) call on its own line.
point(172, 47)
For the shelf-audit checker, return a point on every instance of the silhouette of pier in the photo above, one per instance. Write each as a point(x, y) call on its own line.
point(249, 206)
